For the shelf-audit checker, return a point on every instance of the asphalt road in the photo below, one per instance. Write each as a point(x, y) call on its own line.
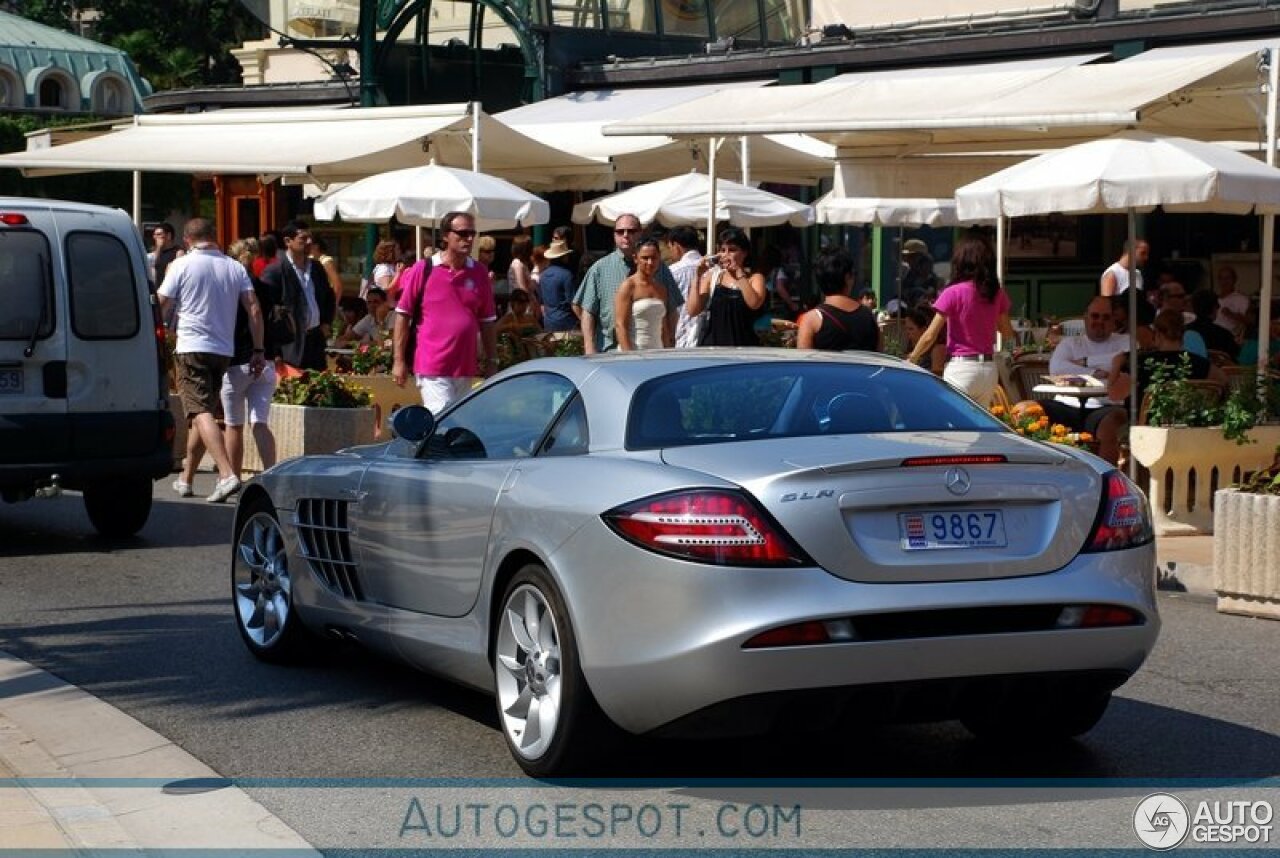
point(146, 624)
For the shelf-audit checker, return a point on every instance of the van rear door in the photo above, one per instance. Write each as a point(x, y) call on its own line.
point(33, 343)
point(112, 366)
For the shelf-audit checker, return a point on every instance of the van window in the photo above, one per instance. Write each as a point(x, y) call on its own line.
point(26, 296)
point(104, 302)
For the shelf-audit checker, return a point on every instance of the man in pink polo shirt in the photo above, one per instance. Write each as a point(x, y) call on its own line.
point(454, 308)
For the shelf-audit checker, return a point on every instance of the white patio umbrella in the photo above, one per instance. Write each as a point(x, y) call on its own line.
point(422, 195)
point(1130, 172)
point(885, 211)
point(686, 201)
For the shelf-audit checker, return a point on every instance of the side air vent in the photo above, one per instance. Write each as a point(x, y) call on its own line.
point(325, 539)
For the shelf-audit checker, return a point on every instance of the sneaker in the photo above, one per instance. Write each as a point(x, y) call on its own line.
point(183, 488)
point(224, 489)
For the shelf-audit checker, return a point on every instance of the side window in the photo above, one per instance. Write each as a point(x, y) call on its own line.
point(505, 421)
point(104, 295)
point(569, 436)
point(26, 292)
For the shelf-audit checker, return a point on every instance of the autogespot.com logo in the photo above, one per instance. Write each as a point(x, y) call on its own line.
point(1161, 821)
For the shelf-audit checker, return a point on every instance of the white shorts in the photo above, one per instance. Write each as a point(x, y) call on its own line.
point(439, 391)
point(977, 379)
point(239, 386)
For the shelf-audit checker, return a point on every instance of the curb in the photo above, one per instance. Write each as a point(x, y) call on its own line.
point(77, 773)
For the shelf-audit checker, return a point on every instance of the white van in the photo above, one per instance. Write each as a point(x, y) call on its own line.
point(83, 387)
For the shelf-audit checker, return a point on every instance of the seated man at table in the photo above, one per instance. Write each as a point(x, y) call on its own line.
point(1091, 355)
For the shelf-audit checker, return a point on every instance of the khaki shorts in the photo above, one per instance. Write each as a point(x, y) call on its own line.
point(200, 382)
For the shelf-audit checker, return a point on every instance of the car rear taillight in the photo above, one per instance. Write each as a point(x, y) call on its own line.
point(710, 526)
point(933, 461)
point(1123, 518)
point(13, 219)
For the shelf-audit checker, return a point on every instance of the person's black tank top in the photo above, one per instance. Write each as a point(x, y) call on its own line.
point(843, 330)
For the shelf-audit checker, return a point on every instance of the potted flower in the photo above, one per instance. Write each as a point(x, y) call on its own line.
point(320, 412)
point(1029, 420)
point(1193, 444)
point(1246, 544)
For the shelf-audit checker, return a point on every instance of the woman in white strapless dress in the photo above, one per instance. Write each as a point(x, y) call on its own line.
point(640, 306)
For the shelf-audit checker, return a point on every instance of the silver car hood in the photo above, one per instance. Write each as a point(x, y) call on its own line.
point(843, 498)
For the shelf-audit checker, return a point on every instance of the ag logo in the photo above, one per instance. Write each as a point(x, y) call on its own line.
point(1161, 821)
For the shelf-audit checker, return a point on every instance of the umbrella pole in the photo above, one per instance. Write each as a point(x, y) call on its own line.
point(1000, 225)
point(1268, 228)
point(1133, 335)
point(417, 241)
point(711, 195)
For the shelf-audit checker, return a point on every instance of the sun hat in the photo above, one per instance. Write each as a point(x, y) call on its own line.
point(914, 245)
point(558, 247)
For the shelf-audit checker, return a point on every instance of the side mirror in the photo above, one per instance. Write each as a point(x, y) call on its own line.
point(413, 423)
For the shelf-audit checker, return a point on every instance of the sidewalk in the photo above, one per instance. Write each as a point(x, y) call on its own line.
point(78, 775)
point(1185, 563)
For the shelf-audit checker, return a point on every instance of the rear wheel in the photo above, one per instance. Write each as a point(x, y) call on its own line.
point(552, 724)
point(262, 588)
point(1049, 717)
point(118, 508)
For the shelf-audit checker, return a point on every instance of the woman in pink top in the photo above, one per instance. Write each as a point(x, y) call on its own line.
point(973, 308)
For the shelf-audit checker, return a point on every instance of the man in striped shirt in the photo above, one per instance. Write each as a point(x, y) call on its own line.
point(594, 300)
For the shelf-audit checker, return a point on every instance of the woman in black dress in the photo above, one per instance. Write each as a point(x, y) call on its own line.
point(730, 292)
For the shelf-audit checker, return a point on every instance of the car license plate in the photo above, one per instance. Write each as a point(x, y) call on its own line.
point(10, 380)
point(951, 528)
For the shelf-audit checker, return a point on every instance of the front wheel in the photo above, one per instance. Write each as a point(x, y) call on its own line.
point(549, 718)
point(262, 588)
point(120, 508)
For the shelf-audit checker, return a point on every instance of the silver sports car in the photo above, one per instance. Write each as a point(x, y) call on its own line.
point(713, 541)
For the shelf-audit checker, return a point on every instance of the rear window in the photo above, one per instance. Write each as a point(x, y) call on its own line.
point(26, 294)
point(795, 400)
point(104, 294)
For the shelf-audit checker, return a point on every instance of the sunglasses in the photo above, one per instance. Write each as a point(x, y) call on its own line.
point(464, 233)
point(626, 230)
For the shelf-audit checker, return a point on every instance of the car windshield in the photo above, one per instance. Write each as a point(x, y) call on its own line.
point(795, 400)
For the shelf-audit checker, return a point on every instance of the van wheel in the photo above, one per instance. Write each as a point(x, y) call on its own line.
point(120, 508)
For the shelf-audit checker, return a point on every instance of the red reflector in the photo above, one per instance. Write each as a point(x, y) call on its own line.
point(1107, 615)
point(926, 461)
point(13, 219)
point(801, 634)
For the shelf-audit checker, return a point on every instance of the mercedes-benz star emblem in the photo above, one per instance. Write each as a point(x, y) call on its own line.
point(957, 481)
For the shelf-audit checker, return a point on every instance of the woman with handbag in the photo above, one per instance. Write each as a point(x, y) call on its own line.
point(730, 292)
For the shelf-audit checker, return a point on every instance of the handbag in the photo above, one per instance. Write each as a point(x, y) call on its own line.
point(419, 273)
point(281, 326)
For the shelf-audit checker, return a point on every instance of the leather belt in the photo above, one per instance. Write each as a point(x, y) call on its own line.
point(978, 358)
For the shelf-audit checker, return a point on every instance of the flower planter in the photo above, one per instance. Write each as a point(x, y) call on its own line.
point(1189, 464)
point(303, 430)
point(1246, 553)
point(387, 397)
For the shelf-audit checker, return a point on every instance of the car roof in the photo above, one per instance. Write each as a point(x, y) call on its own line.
point(58, 206)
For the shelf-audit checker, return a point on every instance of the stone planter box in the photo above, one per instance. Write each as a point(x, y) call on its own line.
point(1188, 465)
point(301, 430)
point(1246, 553)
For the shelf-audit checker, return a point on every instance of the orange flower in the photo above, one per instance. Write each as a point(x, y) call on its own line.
point(1058, 429)
point(1086, 437)
point(997, 410)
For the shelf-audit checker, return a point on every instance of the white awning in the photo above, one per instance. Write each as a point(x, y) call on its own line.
point(1208, 91)
point(323, 145)
point(573, 122)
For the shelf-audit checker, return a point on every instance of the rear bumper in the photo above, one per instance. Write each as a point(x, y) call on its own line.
point(661, 639)
point(76, 475)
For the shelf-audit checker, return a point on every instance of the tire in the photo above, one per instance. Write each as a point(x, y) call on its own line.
point(1052, 717)
point(262, 589)
point(550, 720)
point(120, 508)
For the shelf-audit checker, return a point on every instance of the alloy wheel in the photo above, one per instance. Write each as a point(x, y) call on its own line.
point(261, 584)
point(529, 671)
